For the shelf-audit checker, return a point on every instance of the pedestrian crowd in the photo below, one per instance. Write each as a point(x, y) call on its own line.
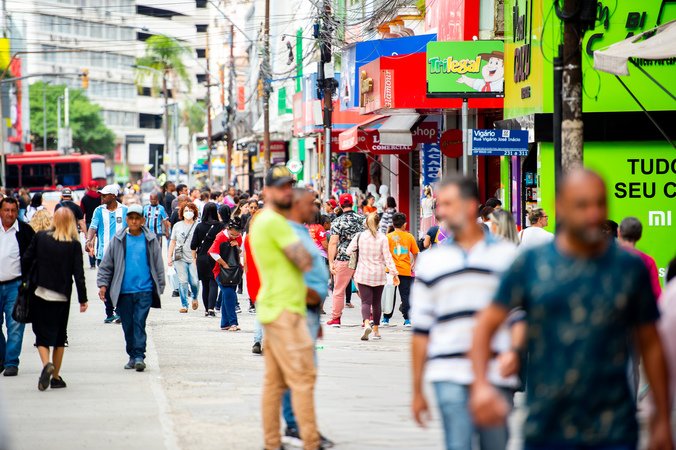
point(570, 319)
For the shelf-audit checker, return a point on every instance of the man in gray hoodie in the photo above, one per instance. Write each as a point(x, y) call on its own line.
point(135, 282)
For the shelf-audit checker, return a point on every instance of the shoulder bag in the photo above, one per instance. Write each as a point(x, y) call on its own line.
point(199, 247)
point(354, 256)
point(178, 251)
point(22, 311)
point(231, 276)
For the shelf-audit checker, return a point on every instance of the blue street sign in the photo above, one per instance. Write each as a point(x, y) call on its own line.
point(498, 142)
point(431, 163)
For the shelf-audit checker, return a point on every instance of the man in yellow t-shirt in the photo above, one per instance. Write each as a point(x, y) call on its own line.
point(404, 251)
point(281, 259)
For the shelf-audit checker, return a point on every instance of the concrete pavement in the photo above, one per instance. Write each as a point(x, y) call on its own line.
point(202, 387)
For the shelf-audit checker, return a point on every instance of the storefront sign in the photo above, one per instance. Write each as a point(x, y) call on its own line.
point(294, 166)
point(277, 152)
point(355, 56)
point(641, 182)
point(430, 155)
point(498, 142)
point(388, 88)
point(474, 68)
point(451, 143)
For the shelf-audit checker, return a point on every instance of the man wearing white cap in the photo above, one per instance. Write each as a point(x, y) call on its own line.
point(108, 219)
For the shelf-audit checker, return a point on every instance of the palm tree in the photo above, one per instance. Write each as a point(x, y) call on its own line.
point(165, 56)
point(193, 117)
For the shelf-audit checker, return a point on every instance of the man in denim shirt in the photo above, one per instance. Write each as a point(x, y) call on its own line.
point(317, 280)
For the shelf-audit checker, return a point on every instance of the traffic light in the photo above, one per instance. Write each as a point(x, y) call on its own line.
point(85, 78)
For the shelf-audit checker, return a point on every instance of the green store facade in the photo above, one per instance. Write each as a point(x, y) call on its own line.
point(621, 143)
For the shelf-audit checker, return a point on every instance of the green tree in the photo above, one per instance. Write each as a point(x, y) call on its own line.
point(90, 134)
point(164, 56)
point(193, 117)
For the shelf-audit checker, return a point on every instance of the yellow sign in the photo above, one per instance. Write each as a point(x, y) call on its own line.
point(4, 53)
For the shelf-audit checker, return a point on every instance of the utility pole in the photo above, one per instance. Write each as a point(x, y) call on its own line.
point(265, 66)
point(230, 109)
point(166, 117)
point(327, 84)
point(209, 143)
point(175, 133)
point(572, 127)
point(44, 115)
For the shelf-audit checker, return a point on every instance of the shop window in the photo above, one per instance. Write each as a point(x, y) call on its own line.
point(36, 175)
point(67, 174)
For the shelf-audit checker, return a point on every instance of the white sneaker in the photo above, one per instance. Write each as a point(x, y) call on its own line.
point(365, 334)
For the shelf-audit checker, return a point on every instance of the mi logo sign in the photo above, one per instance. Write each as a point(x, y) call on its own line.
point(659, 218)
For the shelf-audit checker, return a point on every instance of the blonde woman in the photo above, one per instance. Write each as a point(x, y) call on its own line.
point(502, 224)
point(427, 206)
point(370, 276)
point(41, 220)
point(57, 258)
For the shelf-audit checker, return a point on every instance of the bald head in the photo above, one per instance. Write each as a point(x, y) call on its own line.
point(302, 206)
point(182, 200)
point(582, 207)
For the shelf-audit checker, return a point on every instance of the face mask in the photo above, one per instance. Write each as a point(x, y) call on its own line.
point(188, 215)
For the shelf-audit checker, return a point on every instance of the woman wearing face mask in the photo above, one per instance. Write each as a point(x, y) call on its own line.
point(180, 255)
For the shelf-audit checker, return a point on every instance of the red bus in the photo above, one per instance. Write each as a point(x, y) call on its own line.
point(44, 171)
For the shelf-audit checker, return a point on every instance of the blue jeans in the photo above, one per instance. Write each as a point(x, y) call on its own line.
point(187, 275)
point(287, 409)
point(258, 331)
point(458, 426)
point(133, 309)
point(109, 303)
point(10, 348)
point(228, 314)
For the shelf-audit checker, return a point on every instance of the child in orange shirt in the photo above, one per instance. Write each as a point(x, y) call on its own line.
point(404, 251)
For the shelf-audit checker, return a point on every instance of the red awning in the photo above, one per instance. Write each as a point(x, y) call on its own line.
point(349, 138)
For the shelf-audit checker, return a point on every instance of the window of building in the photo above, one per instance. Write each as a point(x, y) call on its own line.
point(111, 32)
point(34, 175)
point(97, 59)
point(67, 174)
point(150, 121)
point(47, 23)
point(96, 30)
point(201, 77)
point(202, 28)
point(201, 3)
point(49, 57)
point(201, 52)
point(64, 25)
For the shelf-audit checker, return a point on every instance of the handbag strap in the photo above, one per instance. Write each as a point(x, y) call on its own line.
point(199, 248)
point(188, 234)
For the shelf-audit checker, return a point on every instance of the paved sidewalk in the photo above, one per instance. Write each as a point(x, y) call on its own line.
point(202, 387)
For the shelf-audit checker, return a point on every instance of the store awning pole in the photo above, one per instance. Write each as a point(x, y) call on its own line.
point(653, 80)
point(646, 112)
point(465, 144)
point(406, 164)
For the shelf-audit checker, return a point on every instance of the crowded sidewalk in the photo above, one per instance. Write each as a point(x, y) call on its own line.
point(202, 387)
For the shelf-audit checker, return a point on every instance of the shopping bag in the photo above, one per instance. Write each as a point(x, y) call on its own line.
point(390, 294)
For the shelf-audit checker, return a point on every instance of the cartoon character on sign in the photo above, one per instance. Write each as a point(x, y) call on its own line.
point(493, 74)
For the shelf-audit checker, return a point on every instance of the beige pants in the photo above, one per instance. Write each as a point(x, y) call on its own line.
point(289, 364)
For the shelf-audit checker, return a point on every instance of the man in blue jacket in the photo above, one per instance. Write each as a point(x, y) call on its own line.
point(135, 283)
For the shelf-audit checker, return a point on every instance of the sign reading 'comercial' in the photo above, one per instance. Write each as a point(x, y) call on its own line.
point(465, 69)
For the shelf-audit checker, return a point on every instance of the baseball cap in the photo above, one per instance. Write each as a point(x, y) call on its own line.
point(66, 193)
point(333, 203)
point(278, 176)
point(93, 184)
point(110, 189)
point(135, 208)
point(345, 200)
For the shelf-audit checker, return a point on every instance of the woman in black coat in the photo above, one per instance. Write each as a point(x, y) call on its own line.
point(56, 258)
point(204, 235)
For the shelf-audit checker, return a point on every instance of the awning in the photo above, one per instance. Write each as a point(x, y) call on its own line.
point(349, 138)
point(657, 43)
point(397, 129)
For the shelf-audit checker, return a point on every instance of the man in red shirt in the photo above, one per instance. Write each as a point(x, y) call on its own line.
point(628, 234)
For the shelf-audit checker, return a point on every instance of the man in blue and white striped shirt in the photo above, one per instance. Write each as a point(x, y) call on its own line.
point(454, 282)
point(108, 219)
point(156, 218)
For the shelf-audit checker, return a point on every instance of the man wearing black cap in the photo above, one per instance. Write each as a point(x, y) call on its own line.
point(281, 307)
point(343, 229)
point(67, 201)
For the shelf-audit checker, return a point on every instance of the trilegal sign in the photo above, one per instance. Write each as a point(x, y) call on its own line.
point(465, 69)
